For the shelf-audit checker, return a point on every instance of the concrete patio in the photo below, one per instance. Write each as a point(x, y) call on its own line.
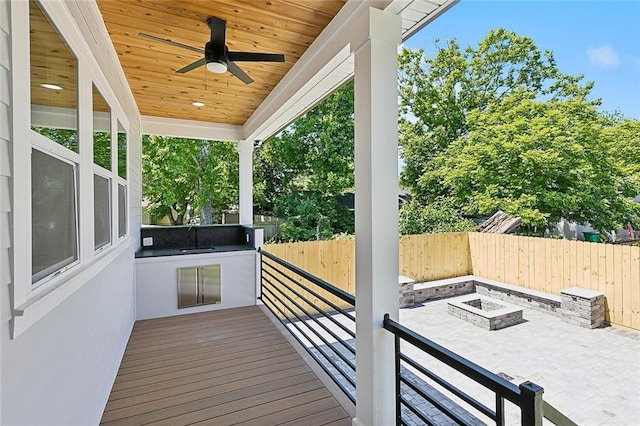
point(591, 376)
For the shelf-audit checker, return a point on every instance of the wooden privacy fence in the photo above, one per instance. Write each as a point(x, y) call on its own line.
point(551, 265)
point(541, 264)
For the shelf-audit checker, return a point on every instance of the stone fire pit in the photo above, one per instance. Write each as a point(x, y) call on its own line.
point(485, 312)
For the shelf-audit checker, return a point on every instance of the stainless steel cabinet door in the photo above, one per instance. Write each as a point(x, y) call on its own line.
point(210, 284)
point(199, 286)
point(187, 287)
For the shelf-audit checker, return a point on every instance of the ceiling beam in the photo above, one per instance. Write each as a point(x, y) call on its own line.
point(190, 129)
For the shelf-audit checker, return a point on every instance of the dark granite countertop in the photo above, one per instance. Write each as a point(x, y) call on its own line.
point(147, 252)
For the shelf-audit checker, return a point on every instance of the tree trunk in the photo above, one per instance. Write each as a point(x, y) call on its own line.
point(206, 215)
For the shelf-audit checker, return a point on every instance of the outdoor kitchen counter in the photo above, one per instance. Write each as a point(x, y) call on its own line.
point(161, 241)
point(146, 252)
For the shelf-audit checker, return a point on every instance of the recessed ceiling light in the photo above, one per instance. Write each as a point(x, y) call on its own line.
point(197, 104)
point(51, 86)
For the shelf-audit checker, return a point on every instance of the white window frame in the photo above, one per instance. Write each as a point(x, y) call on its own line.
point(100, 172)
point(30, 302)
point(53, 149)
point(120, 181)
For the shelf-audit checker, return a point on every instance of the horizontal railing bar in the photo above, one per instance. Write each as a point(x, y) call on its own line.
point(451, 414)
point(481, 375)
point(556, 417)
point(321, 283)
point(332, 362)
point(324, 327)
point(422, 416)
point(320, 363)
point(325, 300)
point(311, 316)
point(448, 386)
point(322, 312)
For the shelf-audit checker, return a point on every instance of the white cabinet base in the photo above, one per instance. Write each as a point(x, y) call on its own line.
point(157, 282)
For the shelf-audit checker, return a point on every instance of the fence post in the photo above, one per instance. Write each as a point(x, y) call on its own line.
point(531, 408)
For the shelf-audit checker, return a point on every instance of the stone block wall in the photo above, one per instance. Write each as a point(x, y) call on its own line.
point(576, 306)
point(582, 307)
point(548, 304)
point(441, 290)
point(484, 313)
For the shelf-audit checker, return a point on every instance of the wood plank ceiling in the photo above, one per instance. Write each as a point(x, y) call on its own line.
point(271, 26)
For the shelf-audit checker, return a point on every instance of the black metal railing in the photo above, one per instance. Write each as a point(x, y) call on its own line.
point(319, 315)
point(527, 396)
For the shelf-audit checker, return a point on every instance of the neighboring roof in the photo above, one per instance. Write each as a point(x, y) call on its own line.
point(500, 223)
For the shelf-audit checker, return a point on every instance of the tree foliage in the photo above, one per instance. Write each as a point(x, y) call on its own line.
point(500, 127)
point(177, 173)
point(437, 217)
point(301, 172)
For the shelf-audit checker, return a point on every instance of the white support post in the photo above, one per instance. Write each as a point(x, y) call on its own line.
point(375, 39)
point(246, 182)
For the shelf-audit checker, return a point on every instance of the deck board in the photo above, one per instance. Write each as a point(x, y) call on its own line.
point(222, 367)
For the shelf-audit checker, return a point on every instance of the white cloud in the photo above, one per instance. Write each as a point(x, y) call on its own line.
point(603, 56)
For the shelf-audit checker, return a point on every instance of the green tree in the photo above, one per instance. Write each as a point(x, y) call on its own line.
point(301, 172)
point(499, 126)
point(624, 137)
point(177, 173)
point(436, 217)
point(542, 161)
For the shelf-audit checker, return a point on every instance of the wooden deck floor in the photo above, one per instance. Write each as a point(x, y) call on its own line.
point(224, 367)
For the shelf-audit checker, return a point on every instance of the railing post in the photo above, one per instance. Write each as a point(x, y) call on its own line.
point(259, 275)
point(499, 410)
point(398, 381)
point(531, 408)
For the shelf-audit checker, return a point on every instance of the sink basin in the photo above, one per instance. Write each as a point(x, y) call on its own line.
point(197, 250)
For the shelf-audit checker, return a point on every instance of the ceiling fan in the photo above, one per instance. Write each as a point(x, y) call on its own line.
point(217, 58)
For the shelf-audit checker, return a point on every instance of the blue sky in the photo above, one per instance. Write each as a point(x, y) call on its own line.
point(600, 39)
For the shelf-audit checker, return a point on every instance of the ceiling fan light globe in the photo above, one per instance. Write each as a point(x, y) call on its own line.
point(217, 67)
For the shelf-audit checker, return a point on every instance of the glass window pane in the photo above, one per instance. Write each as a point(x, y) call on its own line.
point(122, 210)
point(54, 82)
point(101, 211)
point(101, 130)
point(122, 151)
point(53, 213)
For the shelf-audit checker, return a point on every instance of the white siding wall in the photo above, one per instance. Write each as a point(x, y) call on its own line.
point(60, 370)
point(5, 175)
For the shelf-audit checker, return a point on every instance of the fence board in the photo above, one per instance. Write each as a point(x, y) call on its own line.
point(635, 292)
point(626, 288)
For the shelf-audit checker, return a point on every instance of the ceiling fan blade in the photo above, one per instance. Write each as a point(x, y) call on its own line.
point(255, 57)
point(171, 42)
point(218, 29)
point(196, 64)
point(235, 70)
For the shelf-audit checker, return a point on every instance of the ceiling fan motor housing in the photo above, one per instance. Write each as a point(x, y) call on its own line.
point(211, 54)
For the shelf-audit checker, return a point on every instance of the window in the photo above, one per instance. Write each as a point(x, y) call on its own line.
point(54, 82)
point(122, 180)
point(101, 211)
point(70, 187)
point(122, 210)
point(101, 181)
point(54, 215)
point(101, 130)
point(54, 157)
point(122, 151)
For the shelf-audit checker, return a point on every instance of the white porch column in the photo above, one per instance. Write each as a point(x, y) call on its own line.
point(246, 182)
point(375, 39)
